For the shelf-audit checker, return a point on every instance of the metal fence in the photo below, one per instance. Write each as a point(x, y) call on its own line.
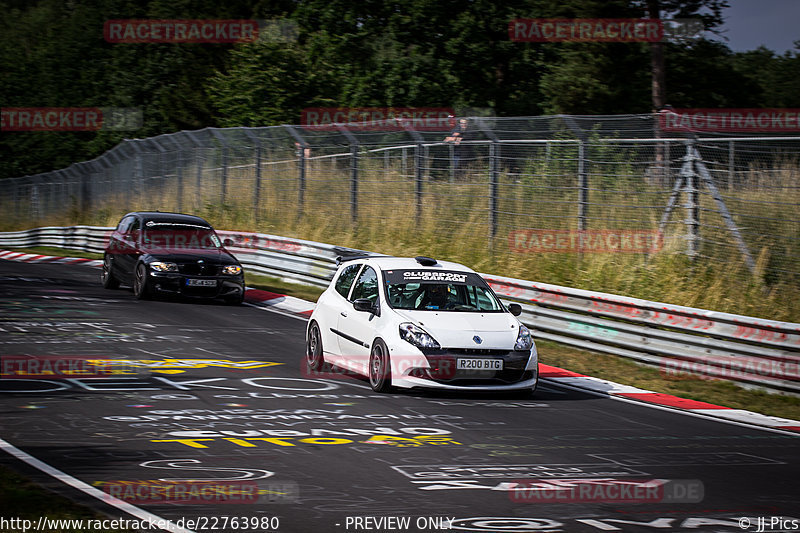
point(731, 200)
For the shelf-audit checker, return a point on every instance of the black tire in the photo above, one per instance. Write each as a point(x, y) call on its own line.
point(314, 358)
point(141, 285)
point(107, 274)
point(235, 300)
point(380, 373)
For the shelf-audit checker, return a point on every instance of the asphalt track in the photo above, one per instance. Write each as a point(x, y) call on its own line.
point(217, 395)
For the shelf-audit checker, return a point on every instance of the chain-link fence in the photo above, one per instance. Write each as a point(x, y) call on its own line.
point(571, 184)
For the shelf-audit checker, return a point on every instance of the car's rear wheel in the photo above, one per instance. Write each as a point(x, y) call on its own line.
point(380, 375)
point(107, 274)
point(314, 357)
point(141, 285)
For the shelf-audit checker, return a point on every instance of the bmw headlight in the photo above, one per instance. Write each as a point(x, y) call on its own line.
point(232, 270)
point(417, 336)
point(160, 266)
point(524, 339)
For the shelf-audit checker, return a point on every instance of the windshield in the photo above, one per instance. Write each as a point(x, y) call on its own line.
point(179, 236)
point(437, 290)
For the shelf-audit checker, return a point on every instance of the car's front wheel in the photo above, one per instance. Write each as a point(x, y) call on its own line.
point(237, 299)
point(141, 285)
point(107, 274)
point(314, 356)
point(380, 374)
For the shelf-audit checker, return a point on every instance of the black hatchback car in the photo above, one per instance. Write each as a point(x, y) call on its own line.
point(174, 254)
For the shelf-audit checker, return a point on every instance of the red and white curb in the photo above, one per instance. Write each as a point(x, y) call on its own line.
point(32, 258)
point(602, 386)
point(302, 309)
point(280, 302)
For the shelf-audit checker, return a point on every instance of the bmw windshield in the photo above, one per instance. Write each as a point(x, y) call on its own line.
point(438, 290)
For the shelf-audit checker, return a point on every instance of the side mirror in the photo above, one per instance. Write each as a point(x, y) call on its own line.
point(515, 309)
point(363, 304)
point(227, 242)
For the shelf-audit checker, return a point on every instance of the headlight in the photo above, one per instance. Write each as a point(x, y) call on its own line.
point(524, 339)
point(232, 270)
point(160, 266)
point(417, 336)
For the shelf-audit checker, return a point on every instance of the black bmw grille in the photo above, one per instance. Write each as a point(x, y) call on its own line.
point(198, 269)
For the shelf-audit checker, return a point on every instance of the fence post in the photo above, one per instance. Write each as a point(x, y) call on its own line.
point(86, 192)
point(583, 187)
point(692, 202)
point(35, 201)
point(418, 179)
point(731, 165)
point(224, 178)
point(494, 176)
point(494, 179)
point(199, 177)
point(224, 183)
point(418, 174)
point(354, 181)
point(257, 192)
point(452, 152)
point(300, 148)
point(353, 170)
point(723, 210)
point(179, 170)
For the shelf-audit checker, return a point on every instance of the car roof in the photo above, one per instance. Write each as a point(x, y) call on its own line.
point(170, 217)
point(390, 263)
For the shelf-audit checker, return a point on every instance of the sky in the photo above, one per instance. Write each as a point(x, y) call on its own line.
point(772, 23)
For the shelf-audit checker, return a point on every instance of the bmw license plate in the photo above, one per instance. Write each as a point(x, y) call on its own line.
point(201, 282)
point(479, 364)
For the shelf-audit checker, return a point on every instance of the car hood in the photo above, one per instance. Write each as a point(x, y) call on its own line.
point(182, 255)
point(452, 329)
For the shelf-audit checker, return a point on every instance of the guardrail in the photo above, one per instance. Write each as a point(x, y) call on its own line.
point(750, 351)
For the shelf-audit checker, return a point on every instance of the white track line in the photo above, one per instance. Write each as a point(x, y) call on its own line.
point(131, 509)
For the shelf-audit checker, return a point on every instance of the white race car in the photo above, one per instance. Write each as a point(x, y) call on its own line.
point(419, 322)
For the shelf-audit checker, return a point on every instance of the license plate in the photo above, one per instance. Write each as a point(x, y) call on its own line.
point(201, 282)
point(479, 364)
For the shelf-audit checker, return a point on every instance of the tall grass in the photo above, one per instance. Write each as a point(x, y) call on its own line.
point(453, 224)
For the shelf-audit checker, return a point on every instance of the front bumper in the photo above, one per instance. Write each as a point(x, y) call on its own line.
point(177, 283)
point(408, 382)
point(438, 369)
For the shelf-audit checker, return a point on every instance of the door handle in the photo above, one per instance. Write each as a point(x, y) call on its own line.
point(343, 314)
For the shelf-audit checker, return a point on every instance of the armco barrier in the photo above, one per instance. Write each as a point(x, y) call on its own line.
point(680, 340)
